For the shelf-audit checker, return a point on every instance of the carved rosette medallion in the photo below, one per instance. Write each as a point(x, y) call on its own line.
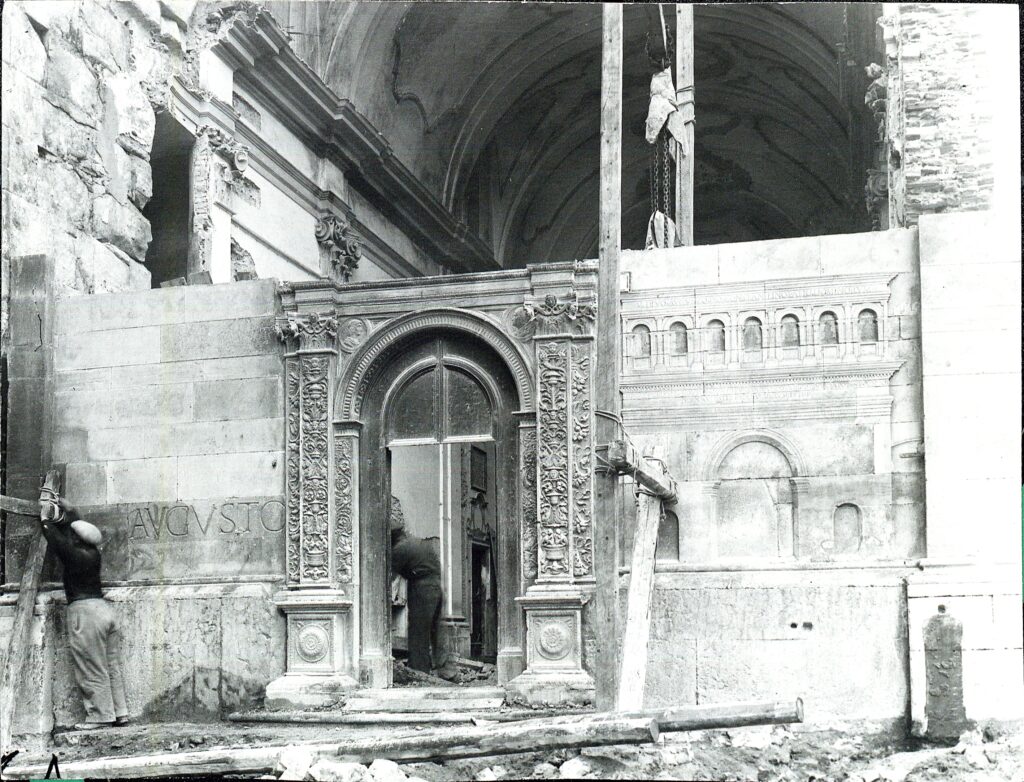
point(340, 248)
point(343, 448)
point(582, 468)
point(553, 460)
point(528, 501)
point(308, 462)
point(312, 641)
point(554, 641)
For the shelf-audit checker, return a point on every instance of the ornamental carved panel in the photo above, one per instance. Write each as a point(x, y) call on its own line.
point(528, 502)
point(308, 446)
point(343, 453)
point(340, 248)
point(553, 459)
point(583, 456)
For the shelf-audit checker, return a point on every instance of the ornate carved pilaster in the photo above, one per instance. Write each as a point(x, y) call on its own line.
point(562, 548)
point(340, 248)
point(320, 488)
point(204, 245)
point(528, 500)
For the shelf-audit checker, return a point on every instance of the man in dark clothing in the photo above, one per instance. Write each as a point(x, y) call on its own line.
point(93, 636)
point(414, 560)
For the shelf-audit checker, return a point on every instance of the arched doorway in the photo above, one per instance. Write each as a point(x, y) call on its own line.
point(439, 436)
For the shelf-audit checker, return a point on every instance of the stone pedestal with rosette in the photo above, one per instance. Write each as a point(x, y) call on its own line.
point(562, 555)
point(317, 598)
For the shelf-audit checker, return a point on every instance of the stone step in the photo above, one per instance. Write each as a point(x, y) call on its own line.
point(361, 704)
point(429, 693)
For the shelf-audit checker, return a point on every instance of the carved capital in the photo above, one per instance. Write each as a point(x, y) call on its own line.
point(554, 315)
point(312, 331)
point(340, 248)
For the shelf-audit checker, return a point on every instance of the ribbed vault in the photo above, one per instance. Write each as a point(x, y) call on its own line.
point(495, 107)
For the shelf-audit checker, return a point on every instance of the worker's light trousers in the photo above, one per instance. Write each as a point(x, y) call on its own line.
point(95, 644)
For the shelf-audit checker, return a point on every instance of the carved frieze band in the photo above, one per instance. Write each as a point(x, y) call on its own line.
point(308, 462)
point(528, 502)
point(551, 315)
point(344, 448)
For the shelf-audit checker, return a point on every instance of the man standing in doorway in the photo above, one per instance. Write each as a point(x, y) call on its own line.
point(93, 636)
point(414, 560)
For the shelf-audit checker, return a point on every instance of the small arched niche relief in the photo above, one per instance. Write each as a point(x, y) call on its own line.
point(716, 336)
point(641, 341)
point(752, 336)
point(789, 331)
point(847, 531)
point(867, 326)
point(754, 503)
point(677, 339)
point(668, 538)
point(828, 329)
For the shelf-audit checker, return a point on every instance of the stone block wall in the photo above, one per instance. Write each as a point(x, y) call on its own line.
point(168, 413)
point(953, 118)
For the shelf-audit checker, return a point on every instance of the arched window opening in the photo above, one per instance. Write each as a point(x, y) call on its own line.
point(678, 334)
point(790, 331)
point(867, 326)
point(716, 336)
point(846, 529)
point(668, 538)
point(641, 341)
point(828, 329)
point(752, 338)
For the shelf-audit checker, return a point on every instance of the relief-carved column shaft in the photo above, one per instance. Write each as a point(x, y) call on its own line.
point(528, 501)
point(564, 439)
point(309, 373)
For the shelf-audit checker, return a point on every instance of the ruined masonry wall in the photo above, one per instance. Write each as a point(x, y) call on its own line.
point(952, 91)
point(80, 81)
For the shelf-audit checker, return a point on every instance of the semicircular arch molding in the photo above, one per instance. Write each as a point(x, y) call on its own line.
point(370, 357)
point(718, 455)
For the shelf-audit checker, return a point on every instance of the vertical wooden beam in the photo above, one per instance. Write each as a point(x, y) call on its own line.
point(684, 94)
point(608, 360)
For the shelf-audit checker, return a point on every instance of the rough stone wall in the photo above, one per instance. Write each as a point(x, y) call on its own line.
point(945, 91)
point(80, 82)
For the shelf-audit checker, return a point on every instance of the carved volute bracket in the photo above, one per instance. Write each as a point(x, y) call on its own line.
point(340, 248)
point(310, 368)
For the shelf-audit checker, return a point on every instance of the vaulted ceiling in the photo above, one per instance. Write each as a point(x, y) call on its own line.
point(495, 107)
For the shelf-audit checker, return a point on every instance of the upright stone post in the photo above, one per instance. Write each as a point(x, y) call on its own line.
point(559, 551)
point(317, 599)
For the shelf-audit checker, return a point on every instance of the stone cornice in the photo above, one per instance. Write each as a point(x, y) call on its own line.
point(269, 70)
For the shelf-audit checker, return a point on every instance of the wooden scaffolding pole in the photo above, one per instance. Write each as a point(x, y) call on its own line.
point(609, 360)
point(684, 97)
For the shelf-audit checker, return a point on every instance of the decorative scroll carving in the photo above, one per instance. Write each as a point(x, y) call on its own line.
point(560, 316)
point(876, 188)
point(528, 501)
point(293, 480)
point(343, 508)
point(553, 459)
point(582, 475)
point(876, 196)
point(340, 249)
point(315, 535)
point(236, 153)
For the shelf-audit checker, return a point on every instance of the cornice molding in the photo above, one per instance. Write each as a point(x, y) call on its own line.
point(677, 382)
point(268, 69)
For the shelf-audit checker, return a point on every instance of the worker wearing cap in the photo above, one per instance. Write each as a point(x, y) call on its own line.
point(414, 560)
point(93, 637)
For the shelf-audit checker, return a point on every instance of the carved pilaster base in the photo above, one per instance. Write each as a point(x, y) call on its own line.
point(554, 649)
point(319, 654)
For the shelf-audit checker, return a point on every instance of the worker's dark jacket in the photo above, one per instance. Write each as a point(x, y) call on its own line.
point(414, 560)
point(81, 560)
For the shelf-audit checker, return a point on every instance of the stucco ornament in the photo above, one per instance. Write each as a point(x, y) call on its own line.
point(340, 248)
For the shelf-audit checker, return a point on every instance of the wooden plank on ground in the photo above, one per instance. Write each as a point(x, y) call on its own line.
point(439, 744)
point(633, 673)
